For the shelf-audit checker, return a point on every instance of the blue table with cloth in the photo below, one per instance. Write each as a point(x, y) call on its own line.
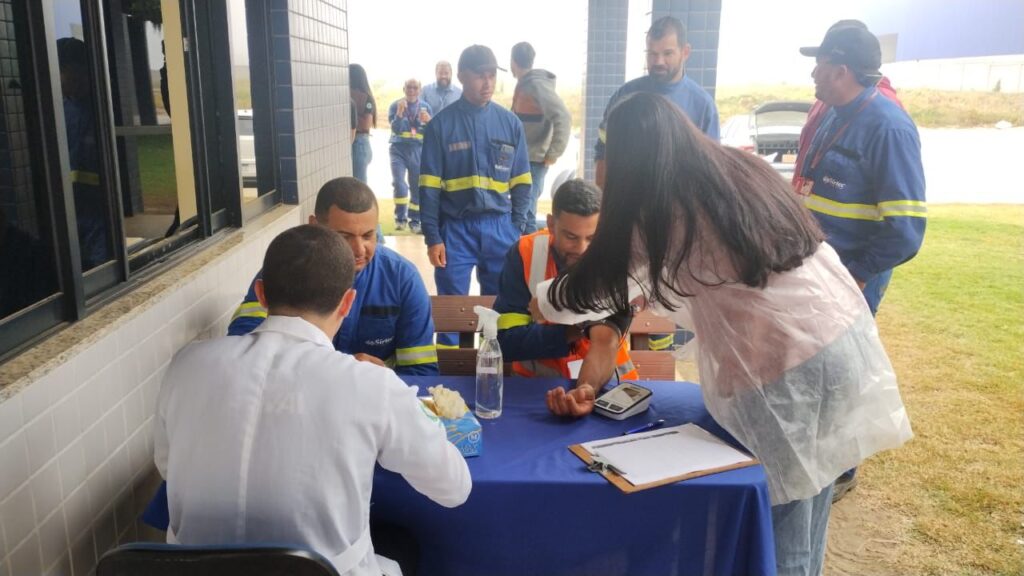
point(536, 509)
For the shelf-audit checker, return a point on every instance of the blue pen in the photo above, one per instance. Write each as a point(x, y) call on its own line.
point(649, 426)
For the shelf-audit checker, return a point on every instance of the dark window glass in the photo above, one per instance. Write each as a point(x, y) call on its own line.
point(28, 265)
point(77, 86)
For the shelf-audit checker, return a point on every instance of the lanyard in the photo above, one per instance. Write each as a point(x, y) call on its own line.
point(819, 150)
point(412, 111)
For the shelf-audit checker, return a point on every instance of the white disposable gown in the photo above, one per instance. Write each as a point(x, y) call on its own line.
point(795, 371)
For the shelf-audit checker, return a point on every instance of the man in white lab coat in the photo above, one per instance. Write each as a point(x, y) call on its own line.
point(272, 437)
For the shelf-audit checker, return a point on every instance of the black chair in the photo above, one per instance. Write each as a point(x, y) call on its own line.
point(150, 559)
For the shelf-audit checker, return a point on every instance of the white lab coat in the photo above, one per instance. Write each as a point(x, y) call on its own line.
point(272, 437)
point(795, 370)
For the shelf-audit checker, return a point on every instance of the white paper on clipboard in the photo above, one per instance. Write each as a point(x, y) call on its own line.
point(666, 453)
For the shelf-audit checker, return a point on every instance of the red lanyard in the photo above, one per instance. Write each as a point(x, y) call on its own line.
point(820, 152)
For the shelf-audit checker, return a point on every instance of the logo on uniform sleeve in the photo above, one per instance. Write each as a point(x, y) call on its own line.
point(456, 146)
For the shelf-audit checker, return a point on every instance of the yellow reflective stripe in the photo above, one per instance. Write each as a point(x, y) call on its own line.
point(416, 355)
point(83, 177)
point(250, 310)
point(912, 208)
point(661, 343)
point(601, 135)
point(447, 346)
point(843, 210)
point(524, 178)
point(402, 200)
point(416, 136)
point(430, 181)
point(470, 182)
point(413, 206)
point(513, 320)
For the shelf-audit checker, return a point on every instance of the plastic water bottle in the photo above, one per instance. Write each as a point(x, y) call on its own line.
point(489, 366)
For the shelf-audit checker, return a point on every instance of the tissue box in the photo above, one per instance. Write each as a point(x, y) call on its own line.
point(465, 432)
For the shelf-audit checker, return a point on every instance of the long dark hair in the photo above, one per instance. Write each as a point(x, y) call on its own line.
point(666, 182)
point(357, 81)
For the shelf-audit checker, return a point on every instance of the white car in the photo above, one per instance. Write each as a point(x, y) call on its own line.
point(246, 149)
point(772, 131)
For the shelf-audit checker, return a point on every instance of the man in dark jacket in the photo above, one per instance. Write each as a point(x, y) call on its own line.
point(545, 119)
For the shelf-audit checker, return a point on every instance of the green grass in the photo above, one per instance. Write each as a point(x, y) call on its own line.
point(156, 173)
point(953, 324)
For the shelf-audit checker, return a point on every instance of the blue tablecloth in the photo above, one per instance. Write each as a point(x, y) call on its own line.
point(535, 509)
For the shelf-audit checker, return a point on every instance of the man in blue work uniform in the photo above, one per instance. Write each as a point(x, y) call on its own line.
point(390, 322)
point(474, 183)
point(441, 93)
point(667, 52)
point(863, 176)
point(408, 116)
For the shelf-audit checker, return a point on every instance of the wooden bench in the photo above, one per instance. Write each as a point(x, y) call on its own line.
point(455, 314)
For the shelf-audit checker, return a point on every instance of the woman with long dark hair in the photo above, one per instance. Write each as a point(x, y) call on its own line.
point(364, 117)
point(789, 356)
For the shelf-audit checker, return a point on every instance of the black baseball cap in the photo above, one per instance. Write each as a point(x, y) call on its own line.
point(851, 45)
point(478, 59)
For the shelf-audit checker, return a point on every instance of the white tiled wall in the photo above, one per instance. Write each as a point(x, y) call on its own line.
point(76, 446)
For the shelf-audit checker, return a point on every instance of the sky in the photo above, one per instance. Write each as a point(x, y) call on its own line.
point(397, 39)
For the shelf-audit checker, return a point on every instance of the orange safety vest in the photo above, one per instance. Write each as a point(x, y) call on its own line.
point(538, 266)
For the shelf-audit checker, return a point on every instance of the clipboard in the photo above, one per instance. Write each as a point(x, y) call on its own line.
point(627, 487)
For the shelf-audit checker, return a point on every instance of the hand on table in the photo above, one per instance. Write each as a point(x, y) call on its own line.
point(575, 403)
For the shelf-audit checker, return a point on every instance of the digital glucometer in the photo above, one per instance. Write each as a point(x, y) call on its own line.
point(624, 400)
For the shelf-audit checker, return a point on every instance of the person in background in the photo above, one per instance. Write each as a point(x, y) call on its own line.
point(712, 238)
point(862, 174)
point(550, 350)
point(545, 118)
point(390, 322)
point(441, 93)
point(817, 113)
point(242, 422)
point(408, 116)
point(364, 117)
point(667, 53)
point(474, 183)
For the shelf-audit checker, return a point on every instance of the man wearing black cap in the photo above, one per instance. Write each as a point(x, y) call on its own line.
point(862, 172)
point(474, 182)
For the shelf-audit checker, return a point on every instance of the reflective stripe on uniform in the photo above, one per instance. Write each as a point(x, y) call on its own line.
point(83, 177)
point(660, 343)
point(250, 310)
point(416, 355)
point(430, 181)
point(513, 320)
point(414, 206)
point(524, 178)
point(843, 210)
point(625, 368)
point(538, 263)
point(601, 135)
point(475, 181)
point(441, 346)
point(912, 208)
point(416, 136)
point(401, 201)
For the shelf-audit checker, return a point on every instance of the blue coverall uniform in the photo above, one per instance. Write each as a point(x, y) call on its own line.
point(90, 200)
point(868, 190)
point(406, 144)
point(390, 317)
point(693, 100)
point(475, 188)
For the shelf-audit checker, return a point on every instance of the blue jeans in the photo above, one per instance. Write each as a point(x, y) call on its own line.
point(801, 532)
point(875, 288)
point(538, 170)
point(362, 155)
point(405, 176)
